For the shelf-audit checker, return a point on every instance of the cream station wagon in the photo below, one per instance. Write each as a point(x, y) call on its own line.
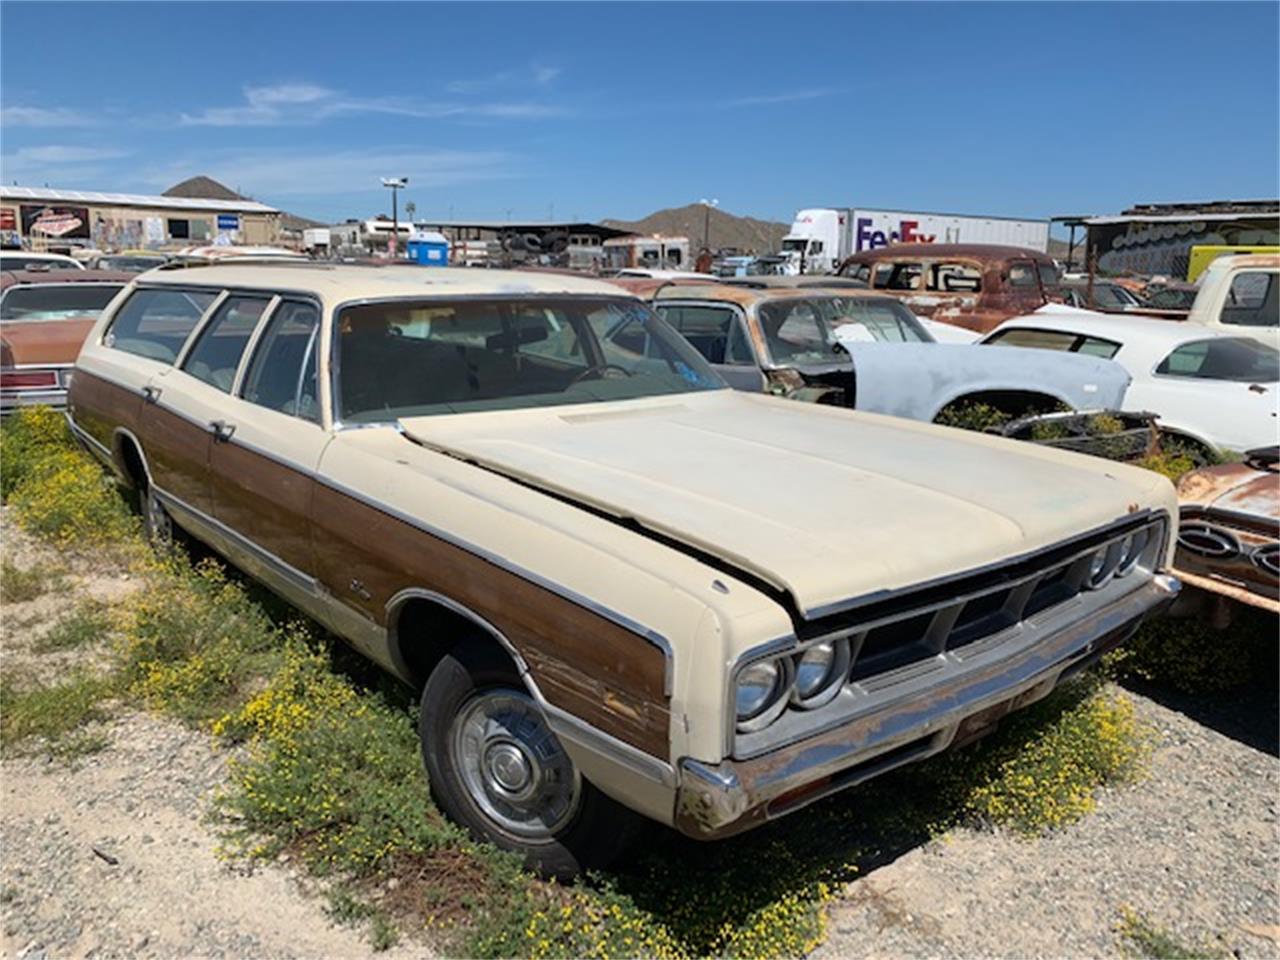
point(618, 584)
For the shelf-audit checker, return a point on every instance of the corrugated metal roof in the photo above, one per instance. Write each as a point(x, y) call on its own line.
point(1189, 217)
point(46, 195)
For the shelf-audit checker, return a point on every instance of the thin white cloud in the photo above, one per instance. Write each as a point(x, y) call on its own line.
point(57, 163)
point(538, 75)
point(281, 174)
point(772, 98)
point(305, 103)
point(44, 117)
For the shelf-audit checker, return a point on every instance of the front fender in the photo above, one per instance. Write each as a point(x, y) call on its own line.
point(916, 380)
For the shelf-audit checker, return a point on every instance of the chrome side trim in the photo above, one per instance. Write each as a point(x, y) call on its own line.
point(393, 615)
point(137, 445)
point(91, 442)
point(241, 545)
point(621, 619)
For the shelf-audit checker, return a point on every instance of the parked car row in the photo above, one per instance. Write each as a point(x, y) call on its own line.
point(618, 584)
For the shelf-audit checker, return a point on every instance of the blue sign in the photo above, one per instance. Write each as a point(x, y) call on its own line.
point(228, 221)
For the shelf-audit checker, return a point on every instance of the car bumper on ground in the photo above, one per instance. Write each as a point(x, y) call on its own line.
point(718, 800)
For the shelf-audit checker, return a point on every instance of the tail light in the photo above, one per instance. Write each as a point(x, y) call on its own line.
point(29, 379)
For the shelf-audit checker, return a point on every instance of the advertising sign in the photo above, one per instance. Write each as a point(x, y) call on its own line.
point(54, 220)
point(228, 221)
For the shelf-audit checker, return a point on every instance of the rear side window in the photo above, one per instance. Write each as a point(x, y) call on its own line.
point(1252, 300)
point(713, 331)
point(1227, 358)
point(156, 323)
point(216, 355)
point(1057, 340)
point(282, 374)
point(897, 276)
point(1022, 273)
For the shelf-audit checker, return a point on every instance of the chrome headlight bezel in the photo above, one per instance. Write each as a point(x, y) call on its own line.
point(831, 681)
point(777, 699)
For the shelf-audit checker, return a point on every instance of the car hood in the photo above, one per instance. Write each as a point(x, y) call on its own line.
point(824, 503)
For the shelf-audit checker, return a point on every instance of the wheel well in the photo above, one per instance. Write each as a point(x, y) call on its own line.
point(422, 630)
point(131, 460)
point(1016, 403)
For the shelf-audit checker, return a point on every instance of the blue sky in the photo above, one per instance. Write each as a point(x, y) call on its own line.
point(618, 109)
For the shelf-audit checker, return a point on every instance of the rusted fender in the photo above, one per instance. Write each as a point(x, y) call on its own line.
point(916, 380)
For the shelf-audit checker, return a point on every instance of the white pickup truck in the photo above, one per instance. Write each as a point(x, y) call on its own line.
point(1238, 295)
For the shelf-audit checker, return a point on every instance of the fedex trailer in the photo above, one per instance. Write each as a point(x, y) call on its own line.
point(820, 238)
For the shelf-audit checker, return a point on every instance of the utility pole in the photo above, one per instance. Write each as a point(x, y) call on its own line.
point(706, 221)
point(396, 184)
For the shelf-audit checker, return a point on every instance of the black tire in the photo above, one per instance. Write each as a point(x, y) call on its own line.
point(592, 835)
point(157, 525)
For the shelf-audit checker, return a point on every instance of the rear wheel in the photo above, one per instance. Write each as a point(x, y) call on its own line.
point(496, 767)
point(156, 522)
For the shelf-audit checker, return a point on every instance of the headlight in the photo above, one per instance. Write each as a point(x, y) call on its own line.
point(1131, 549)
point(820, 673)
point(760, 695)
point(1103, 563)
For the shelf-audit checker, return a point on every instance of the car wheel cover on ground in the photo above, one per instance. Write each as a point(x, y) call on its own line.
point(511, 765)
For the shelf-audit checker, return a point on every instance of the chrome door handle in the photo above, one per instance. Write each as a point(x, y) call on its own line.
point(221, 430)
point(151, 394)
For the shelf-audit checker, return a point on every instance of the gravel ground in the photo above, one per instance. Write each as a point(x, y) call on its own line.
point(1194, 849)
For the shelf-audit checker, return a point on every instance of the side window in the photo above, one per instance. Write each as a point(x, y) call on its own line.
point(1252, 300)
point(1097, 347)
point(897, 276)
point(282, 374)
point(1022, 273)
point(216, 355)
point(1039, 339)
point(954, 278)
point(156, 323)
point(707, 328)
point(739, 347)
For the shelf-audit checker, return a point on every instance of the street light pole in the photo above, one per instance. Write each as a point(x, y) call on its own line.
point(395, 183)
point(706, 221)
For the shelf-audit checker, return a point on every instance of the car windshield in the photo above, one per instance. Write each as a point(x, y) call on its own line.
point(131, 264)
point(1223, 358)
point(417, 358)
point(799, 331)
point(19, 262)
point(872, 318)
point(57, 301)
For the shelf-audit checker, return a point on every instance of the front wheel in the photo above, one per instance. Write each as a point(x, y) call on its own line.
point(496, 767)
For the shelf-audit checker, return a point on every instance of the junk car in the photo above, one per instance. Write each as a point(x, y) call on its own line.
point(619, 586)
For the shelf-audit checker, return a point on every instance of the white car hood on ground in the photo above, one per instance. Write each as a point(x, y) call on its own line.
point(824, 503)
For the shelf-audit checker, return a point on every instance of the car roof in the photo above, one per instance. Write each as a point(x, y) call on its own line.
point(37, 255)
point(13, 278)
point(972, 251)
point(746, 295)
point(337, 283)
point(1118, 327)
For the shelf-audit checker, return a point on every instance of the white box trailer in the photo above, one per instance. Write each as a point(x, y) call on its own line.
point(821, 237)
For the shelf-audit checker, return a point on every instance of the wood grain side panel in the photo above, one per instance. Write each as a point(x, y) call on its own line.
point(265, 501)
point(177, 453)
point(582, 662)
point(99, 407)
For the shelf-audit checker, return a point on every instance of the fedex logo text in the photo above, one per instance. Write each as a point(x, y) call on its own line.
point(869, 239)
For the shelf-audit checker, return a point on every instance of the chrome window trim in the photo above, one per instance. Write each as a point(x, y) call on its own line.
point(192, 334)
point(193, 338)
point(252, 347)
point(251, 344)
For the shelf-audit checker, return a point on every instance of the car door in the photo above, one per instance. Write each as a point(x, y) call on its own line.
point(185, 409)
point(144, 338)
point(262, 466)
point(718, 332)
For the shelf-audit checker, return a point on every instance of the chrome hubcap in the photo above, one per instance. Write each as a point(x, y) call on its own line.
point(512, 765)
point(158, 519)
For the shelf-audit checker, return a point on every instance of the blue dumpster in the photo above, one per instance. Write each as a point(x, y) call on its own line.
point(428, 248)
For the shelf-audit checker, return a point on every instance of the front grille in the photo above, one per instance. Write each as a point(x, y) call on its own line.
point(1208, 540)
point(964, 620)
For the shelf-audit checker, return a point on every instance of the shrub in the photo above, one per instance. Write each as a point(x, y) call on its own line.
point(51, 711)
point(84, 625)
point(192, 642)
point(1189, 655)
point(1145, 940)
point(972, 415)
point(68, 499)
point(1171, 465)
point(331, 775)
point(28, 436)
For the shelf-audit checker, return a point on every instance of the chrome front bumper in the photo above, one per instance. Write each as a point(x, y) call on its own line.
point(718, 800)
